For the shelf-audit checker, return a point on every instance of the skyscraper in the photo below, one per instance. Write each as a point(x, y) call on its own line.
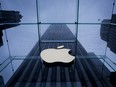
point(108, 33)
point(7, 16)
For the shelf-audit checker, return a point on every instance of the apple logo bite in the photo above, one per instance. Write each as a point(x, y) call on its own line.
point(59, 55)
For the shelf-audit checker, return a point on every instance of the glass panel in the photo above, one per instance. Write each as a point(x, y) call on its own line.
point(7, 73)
point(94, 11)
point(57, 11)
point(22, 39)
point(16, 64)
point(4, 54)
point(97, 65)
point(58, 32)
point(5, 63)
point(94, 67)
point(89, 37)
point(54, 35)
point(111, 50)
point(112, 58)
point(110, 63)
point(28, 12)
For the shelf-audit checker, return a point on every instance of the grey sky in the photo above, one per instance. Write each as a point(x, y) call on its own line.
point(61, 10)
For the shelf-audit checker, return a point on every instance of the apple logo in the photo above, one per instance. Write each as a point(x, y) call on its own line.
point(57, 56)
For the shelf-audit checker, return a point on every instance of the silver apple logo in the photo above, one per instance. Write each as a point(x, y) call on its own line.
point(60, 54)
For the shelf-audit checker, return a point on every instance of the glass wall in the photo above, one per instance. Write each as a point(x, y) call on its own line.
point(58, 32)
point(22, 39)
point(7, 73)
point(4, 51)
point(111, 53)
point(82, 26)
point(89, 37)
point(94, 11)
point(54, 35)
point(28, 12)
point(20, 35)
point(57, 11)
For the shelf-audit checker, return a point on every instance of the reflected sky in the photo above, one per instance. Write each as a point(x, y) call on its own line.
point(61, 10)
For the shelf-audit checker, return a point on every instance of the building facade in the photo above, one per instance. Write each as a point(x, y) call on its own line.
point(8, 17)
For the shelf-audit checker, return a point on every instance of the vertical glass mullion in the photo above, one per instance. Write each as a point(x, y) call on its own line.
point(77, 25)
point(38, 24)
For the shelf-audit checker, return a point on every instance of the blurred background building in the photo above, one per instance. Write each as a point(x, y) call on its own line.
point(7, 16)
point(108, 33)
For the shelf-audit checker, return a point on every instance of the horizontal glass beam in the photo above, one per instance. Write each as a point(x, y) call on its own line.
point(35, 23)
point(18, 23)
point(57, 23)
point(58, 41)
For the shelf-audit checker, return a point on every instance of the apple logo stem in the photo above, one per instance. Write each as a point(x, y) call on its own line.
point(60, 47)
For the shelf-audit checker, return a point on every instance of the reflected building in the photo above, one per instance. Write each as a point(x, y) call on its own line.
point(108, 32)
point(105, 28)
point(7, 17)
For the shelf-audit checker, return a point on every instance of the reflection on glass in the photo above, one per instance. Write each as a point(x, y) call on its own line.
point(58, 33)
point(95, 11)
point(111, 59)
point(57, 11)
point(4, 64)
point(28, 12)
point(89, 37)
point(4, 53)
point(22, 39)
point(7, 73)
point(114, 10)
point(16, 64)
point(108, 35)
